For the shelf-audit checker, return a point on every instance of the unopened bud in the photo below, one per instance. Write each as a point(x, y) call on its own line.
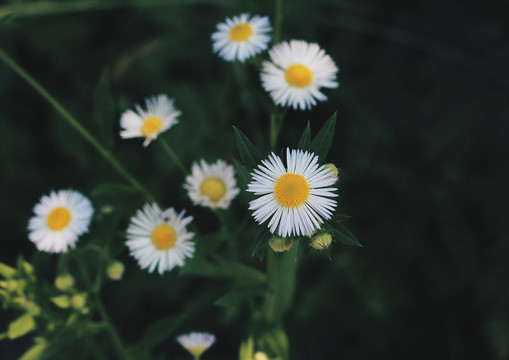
point(115, 270)
point(260, 355)
point(78, 301)
point(64, 282)
point(334, 173)
point(321, 240)
point(280, 244)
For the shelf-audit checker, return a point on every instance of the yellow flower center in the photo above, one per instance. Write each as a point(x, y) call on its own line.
point(164, 237)
point(214, 188)
point(241, 32)
point(298, 75)
point(196, 351)
point(291, 190)
point(58, 218)
point(151, 126)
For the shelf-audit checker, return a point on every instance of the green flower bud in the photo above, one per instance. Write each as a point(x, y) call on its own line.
point(280, 244)
point(61, 301)
point(115, 270)
point(64, 282)
point(78, 301)
point(321, 240)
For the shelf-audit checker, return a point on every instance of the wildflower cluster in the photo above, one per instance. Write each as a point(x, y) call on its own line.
point(293, 193)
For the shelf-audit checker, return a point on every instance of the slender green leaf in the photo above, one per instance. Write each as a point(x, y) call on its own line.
point(249, 154)
point(242, 174)
point(323, 140)
point(237, 271)
point(103, 106)
point(305, 139)
point(342, 234)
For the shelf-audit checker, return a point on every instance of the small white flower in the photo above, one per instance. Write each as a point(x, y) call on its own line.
point(159, 238)
point(196, 342)
point(296, 72)
point(59, 220)
point(159, 116)
point(296, 198)
point(212, 185)
point(240, 38)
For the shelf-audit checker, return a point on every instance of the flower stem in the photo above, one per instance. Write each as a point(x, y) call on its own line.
point(173, 156)
point(270, 303)
point(108, 156)
point(278, 19)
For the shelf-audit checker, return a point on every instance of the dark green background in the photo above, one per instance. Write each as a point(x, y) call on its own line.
point(421, 138)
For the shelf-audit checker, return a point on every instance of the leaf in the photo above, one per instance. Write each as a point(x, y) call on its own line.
point(62, 301)
point(35, 352)
point(342, 234)
point(286, 280)
point(249, 154)
point(103, 107)
point(242, 174)
point(276, 341)
point(236, 297)
point(6, 271)
point(235, 271)
point(323, 140)
point(21, 326)
point(305, 139)
point(162, 329)
point(247, 349)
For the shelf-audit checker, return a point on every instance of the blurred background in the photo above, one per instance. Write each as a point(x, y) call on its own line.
point(421, 140)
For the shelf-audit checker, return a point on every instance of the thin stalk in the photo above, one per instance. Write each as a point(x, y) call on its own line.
point(270, 302)
point(117, 341)
point(278, 20)
point(173, 156)
point(71, 120)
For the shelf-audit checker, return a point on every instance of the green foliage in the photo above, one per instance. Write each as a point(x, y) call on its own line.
point(323, 140)
point(103, 107)
point(250, 155)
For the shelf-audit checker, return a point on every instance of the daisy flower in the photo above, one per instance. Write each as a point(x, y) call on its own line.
point(159, 116)
point(296, 72)
point(59, 220)
point(212, 185)
point(196, 342)
point(159, 238)
point(240, 38)
point(296, 198)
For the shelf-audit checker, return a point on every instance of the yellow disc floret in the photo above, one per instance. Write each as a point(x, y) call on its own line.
point(241, 32)
point(58, 218)
point(151, 126)
point(298, 75)
point(214, 188)
point(164, 237)
point(291, 190)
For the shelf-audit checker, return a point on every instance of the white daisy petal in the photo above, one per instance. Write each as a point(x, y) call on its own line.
point(60, 218)
point(296, 198)
point(159, 240)
point(240, 38)
point(296, 72)
point(159, 116)
point(212, 185)
point(196, 342)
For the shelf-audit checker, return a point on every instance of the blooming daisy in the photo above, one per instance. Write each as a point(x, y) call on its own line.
point(59, 220)
point(296, 72)
point(159, 238)
point(196, 342)
point(296, 198)
point(240, 38)
point(159, 116)
point(212, 185)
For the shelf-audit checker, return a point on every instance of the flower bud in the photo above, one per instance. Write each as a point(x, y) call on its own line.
point(321, 240)
point(280, 244)
point(115, 270)
point(64, 282)
point(335, 172)
point(260, 355)
point(78, 301)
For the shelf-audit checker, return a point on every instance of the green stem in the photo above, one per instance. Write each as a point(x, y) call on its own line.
point(270, 302)
point(278, 20)
point(117, 341)
point(173, 156)
point(230, 236)
point(75, 124)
